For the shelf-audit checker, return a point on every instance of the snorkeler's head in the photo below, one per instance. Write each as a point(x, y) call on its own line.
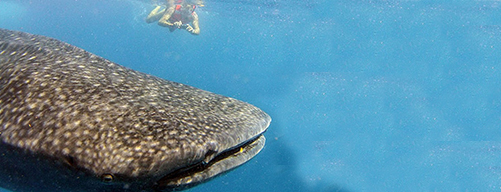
point(188, 7)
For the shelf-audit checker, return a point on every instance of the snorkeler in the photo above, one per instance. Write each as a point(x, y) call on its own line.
point(178, 14)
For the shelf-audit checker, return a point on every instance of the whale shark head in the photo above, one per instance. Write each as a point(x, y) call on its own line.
point(73, 121)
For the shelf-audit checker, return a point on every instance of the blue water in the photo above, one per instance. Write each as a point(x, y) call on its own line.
point(364, 95)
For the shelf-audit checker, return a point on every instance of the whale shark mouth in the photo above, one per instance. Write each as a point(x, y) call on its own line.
point(192, 175)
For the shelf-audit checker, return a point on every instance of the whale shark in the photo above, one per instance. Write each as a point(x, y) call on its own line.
point(73, 121)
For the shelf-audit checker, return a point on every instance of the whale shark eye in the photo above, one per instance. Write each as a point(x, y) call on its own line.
point(107, 178)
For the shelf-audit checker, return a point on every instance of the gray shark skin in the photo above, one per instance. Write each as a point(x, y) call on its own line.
point(73, 121)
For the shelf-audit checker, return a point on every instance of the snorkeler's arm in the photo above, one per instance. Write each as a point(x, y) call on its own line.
point(196, 29)
point(164, 21)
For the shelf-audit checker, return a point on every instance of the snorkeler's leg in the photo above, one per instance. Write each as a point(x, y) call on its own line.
point(155, 14)
point(164, 21)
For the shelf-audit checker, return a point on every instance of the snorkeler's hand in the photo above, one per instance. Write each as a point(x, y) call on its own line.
point(192, 30)
point(178, 24)
point(189, 28)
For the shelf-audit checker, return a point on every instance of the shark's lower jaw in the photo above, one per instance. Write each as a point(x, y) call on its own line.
point(203, 171)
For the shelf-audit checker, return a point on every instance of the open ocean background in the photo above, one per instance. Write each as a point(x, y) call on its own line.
point(365, 95)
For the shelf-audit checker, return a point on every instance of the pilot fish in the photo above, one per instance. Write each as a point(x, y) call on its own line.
point(73, 121)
